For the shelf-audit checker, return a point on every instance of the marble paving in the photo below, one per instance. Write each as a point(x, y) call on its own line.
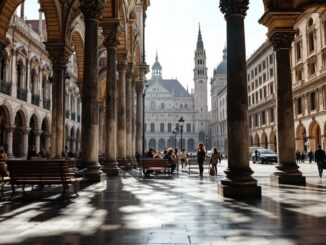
point(159, 210)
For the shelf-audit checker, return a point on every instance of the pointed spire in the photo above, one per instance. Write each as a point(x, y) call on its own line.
point(224, 53)
point(200, 44)
point(156, 58)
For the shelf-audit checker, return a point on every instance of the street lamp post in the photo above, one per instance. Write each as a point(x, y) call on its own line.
point(144, 94)
point(175, 132)
point(181, 121)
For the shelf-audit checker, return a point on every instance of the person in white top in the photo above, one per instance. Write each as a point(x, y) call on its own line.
point(182, 155)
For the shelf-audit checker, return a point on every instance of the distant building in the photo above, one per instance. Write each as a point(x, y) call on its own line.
point(166, 101)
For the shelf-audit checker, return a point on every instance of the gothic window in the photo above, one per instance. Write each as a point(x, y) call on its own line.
point(33, 82)
point(152, 127)
point(162, 127)
point(19, 70)
point(169, 127)
point(188, 128)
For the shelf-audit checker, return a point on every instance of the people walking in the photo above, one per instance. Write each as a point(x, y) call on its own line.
point(183, 157)
point(297, 155)
point(319, 159)
point(214, 159)
point(310, 156)
point(201, 155)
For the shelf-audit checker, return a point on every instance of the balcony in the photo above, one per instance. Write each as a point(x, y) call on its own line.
point(73, 116)
point(67, 114)
point(5, 87)
point(22, 94)
point(46, 104)
point(35, 99)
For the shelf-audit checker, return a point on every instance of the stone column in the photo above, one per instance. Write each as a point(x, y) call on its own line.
point(9, 140)
point(37, 141)
point(25, 143)
point(133, 120)
point(129, 77)
point(288, 169)
point(238, 182)
point(139, 116)
point(111, 33)
point(59, 54)
point(121, 133)
point(22, 10)
point(92, 11)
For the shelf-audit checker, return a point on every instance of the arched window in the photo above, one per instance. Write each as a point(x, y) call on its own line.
point(19, 68)
point(162, 127)
point(169, 127)
point(152, 127)
point(188, 127)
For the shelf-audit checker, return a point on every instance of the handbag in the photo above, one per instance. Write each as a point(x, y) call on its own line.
point(212, 171)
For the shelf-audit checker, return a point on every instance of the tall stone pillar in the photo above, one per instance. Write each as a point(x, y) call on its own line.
point(9, 140)
point(25, 143)
point(22, 10)
point(133, 115)
point(130, 73)
point(288, 169)
point(121, 133)
point(139, 116)
point(59, 54)
point(92, 11)
point(238, 182)
point(37, 141)
point(111, 32)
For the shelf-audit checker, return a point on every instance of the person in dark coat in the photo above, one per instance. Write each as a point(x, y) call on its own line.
point(31, 152)
point(297, 155)
point(310, 156)
point(319, 159)
point(201, 155)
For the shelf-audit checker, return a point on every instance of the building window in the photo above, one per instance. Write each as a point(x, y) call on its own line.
point(152, 127)
point(313, 101)
point(312, 68)
point(298, 50)
point(265, 93)
point(169, 127)
point(162, 127)
point(271, 59)
point(162, 106)
point(256, 120)
point(311, 42)
point(188, 128)
point(271, 72)
point(271, 88)
point(271, 114)
point(298, 75)
point(299, 105)
point(263, 118)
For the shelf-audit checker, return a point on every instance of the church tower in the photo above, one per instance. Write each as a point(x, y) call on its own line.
point(200, 91)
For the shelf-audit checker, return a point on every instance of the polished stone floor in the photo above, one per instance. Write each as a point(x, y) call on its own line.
point(182, 210)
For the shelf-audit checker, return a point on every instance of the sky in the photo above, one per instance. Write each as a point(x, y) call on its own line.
point(172, 31)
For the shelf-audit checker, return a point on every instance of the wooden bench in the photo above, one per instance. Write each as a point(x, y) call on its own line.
point(193, 164)
point(124, 163)
point(41, 172)
point(155, 164)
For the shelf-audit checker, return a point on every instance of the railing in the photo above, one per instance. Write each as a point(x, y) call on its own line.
point(67, 114)
point(78, 118)
point(22, 94)
point(73, 116)
point(25, 28)
point(35, 99)
point(46, 104)
point(5, 87)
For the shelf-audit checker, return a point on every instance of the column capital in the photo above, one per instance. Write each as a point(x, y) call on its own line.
point(10, 128)
point(111, 31)
point(281, 39)
point(92, 9)
point(59, 53)
point(122, 61)
point(130, 71)
point(139, 86)
point(234, 7)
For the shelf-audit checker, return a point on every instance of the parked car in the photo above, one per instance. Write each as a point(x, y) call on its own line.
point(209, 154)
point(252, 149)
point(264, 156)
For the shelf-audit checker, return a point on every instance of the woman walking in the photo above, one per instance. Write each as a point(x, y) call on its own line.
point(201, 155)
point(214, 159)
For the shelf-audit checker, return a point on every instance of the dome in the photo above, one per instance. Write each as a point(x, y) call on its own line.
point(222, 67)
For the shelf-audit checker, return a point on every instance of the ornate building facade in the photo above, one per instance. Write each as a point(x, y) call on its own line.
point(167, 101)
point(26, 79)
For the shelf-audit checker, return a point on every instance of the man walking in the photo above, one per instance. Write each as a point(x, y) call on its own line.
point(319, 159)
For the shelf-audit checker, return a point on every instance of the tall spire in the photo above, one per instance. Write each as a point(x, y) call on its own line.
point(156, 58)
point(200, 44)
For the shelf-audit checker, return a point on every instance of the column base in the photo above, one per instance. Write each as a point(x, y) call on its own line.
point(244, 191)
point(111, 168)
point(95, 177)
point(288, 179)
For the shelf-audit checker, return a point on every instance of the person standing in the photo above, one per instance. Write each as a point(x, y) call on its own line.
point(319, 159)
point(201, 155)
point(310, 156)
point(183, 157)
point(214, 159)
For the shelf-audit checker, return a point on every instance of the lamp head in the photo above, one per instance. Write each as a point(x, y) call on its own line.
point(181, 121)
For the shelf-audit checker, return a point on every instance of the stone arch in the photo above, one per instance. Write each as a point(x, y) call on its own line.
point(4, 123)
point(52, 18)
point(161, 144)
point(34, 130)
point(301, 138)
point(19, 149)
point(45, 133)
point(273, 141)
point(78, 42)
point(264, 141)
point(257, 140)
point(314, 135)
point(152, 143)
point(251, 140)
point(191, 145)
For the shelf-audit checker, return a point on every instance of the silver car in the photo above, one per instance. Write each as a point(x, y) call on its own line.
point(264, 156)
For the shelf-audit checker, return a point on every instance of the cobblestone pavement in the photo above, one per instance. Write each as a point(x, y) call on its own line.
point(182, 210)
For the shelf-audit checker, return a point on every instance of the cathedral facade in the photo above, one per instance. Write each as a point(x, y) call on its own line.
point(167, 101)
